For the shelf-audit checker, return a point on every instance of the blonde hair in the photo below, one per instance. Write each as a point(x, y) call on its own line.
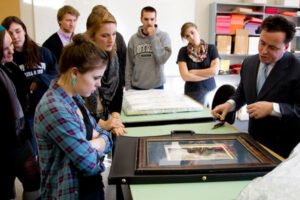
point(99, 9)
point(83, 54)
point(95, 22)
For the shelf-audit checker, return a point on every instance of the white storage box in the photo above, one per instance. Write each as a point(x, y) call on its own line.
point(288, 2)
point(256, 1)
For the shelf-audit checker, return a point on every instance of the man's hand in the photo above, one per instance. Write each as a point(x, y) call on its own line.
point(151, 30)
point(221, 110)
point(260, 109)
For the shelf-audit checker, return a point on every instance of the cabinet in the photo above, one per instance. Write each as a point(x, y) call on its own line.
point(259, 11)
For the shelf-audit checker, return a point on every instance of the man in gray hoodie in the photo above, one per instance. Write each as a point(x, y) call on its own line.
point(148, 51)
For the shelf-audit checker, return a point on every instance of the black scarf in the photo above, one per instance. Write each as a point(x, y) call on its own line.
point(109, 85)
point(19, 120)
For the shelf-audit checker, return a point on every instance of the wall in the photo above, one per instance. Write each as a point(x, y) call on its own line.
point(40, 17)
point(170, 16)
point(9, 7)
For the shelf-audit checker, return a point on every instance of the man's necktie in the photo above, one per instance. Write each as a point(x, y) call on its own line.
point(262, 77)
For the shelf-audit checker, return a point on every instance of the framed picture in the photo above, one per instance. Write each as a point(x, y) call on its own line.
point(206, 153)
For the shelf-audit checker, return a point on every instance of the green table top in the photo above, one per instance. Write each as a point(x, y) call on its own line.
point(202, 128)
point(227, 190)
point(166, 116)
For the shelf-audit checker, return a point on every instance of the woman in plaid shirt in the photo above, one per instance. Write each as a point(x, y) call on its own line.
point(71, 144)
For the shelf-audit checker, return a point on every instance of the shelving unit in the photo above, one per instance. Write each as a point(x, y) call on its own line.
point(258, 12)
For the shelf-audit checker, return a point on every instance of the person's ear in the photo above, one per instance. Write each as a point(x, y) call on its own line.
point(286, 46)
point(74, 72)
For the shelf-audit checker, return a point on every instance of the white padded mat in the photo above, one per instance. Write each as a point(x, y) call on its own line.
point(139, 102)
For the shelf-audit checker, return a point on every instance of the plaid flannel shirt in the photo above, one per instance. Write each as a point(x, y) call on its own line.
point(62, 144)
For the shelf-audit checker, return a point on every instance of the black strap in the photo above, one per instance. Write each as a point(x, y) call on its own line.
point(87, 121)
point(88, 184)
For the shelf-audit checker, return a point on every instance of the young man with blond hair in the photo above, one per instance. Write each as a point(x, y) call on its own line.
point(67, 18)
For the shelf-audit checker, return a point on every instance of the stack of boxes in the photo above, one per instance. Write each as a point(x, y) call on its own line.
point(252, 24)
point(237, 22)
point(223, 24)
point(234, 24)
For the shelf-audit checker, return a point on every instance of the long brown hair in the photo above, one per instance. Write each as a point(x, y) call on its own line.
point(185, 27)
point(30, 48)
point(2, 35)
point(83, 54)
point(95, 22)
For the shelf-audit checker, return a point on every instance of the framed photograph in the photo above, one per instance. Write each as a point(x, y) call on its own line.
point(202, 153)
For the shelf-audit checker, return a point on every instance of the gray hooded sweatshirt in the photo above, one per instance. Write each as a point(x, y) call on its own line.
point(146, 56)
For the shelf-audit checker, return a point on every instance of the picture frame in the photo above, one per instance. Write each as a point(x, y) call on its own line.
point(202, 153)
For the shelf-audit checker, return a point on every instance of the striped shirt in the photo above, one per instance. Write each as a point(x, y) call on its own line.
point(62, 144)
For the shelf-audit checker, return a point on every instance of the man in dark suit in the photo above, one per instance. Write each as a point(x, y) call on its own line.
point(67, 18)
point(270, 86)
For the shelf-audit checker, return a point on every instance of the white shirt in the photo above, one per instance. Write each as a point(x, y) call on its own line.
point(276, 109)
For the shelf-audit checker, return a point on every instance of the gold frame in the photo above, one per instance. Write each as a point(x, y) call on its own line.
point(265, 161)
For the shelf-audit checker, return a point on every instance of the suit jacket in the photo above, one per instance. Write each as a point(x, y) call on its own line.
point(54, 44)
point(281, 86)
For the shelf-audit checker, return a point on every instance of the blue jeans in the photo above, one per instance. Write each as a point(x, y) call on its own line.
point(33, 140)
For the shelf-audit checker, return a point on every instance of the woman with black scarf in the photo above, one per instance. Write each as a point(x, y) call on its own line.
point(106, 103)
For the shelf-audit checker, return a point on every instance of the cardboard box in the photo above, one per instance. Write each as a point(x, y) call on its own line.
point(224, 66)
point(224, 44)
point(271, 10)
point(241, 41)
point(288, 2)
point(242, 9)
point(253, 45)
point(223, 24)
point(237, 22)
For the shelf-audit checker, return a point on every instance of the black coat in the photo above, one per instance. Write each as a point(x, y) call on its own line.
point(54, 44)
point(282, 86)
